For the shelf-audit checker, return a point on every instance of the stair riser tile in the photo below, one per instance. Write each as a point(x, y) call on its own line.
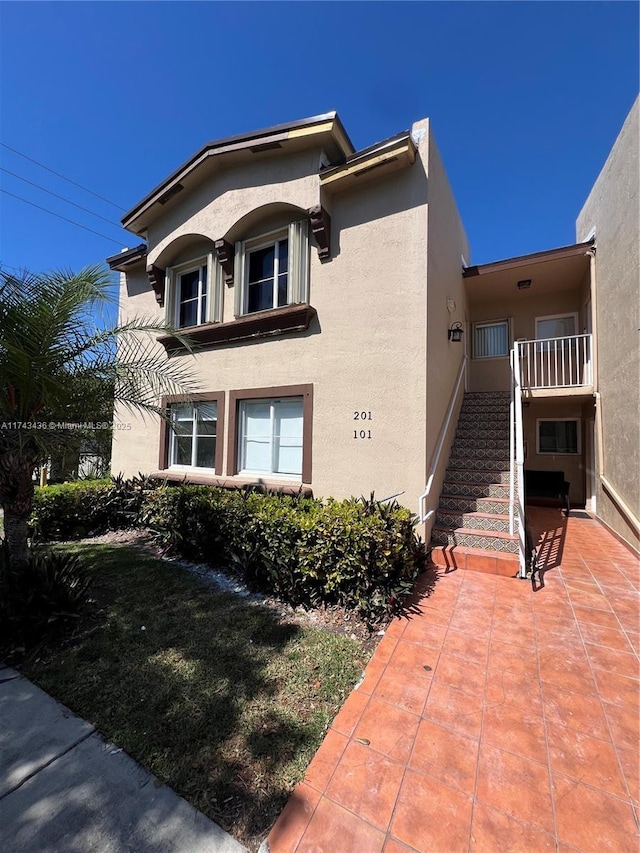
point(475, 522)
point(477, 476)
point(479, 453)
point(469, 540)
point(481, 434)
point(467, 504)
point(466, 464)
point(480, 490)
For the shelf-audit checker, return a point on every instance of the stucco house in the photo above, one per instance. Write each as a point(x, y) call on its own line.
point(346, 345)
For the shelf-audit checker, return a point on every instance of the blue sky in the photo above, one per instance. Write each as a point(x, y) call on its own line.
point(526, 100)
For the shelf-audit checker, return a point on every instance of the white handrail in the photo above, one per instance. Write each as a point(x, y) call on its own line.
point(626, 510)
point(435, 459)
point(512, 460)
point(519, 447)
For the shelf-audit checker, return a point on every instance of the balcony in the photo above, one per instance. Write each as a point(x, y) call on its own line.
point(556, 366)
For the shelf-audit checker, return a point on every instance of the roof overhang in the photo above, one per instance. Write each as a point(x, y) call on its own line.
point(324, 131)
point(387, 156)
point(551, 271)
point(128, 258)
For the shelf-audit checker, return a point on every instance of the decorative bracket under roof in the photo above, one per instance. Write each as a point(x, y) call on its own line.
point(157, 279)
point(226, 254)
point(321, 228)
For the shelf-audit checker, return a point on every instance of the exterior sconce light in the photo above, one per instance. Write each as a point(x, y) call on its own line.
point(455, 333)
point(525, 284)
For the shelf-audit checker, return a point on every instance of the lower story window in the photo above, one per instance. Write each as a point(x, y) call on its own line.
point(193, 434)
point(271, 436)
point(561, 436)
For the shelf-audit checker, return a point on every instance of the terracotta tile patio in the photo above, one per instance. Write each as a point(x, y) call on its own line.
point(495, 716)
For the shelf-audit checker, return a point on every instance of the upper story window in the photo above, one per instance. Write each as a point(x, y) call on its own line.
point(272, 270)
point(491, 340)
point(194, 293)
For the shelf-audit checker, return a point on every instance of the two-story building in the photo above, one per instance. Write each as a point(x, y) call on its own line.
point(344, 345)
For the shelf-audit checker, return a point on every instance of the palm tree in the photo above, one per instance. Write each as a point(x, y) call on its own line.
point(56, 359)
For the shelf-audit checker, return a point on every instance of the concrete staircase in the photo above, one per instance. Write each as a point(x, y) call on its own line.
point(472, 521)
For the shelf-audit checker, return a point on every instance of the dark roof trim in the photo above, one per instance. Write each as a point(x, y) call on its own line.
point(128, 257)
point(367, 152)
point(277, 133)
point(524, 260)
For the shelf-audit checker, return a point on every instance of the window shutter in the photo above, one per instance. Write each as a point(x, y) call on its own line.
point(299, 249)
point(214, 288)
point(169, 297)
point(238, 280)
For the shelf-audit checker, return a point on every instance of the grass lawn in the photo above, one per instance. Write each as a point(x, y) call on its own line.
point(219, 698)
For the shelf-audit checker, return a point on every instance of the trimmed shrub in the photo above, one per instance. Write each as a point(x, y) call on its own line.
point(87, 508)
point(361, 554)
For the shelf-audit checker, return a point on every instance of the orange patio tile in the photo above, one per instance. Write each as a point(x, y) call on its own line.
point(390, 730)
point(325, 761)
point(585, 759)
point(293, 821)
point(349, 715)
point(397, 688)
point(331, 822)
point(576, 710)
point(431, 816)
point(515, 729)
point(618, 689)
point(494, 831)
point(450, 757)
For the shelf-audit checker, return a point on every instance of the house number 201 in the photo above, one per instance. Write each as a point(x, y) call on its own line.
point(362, 433)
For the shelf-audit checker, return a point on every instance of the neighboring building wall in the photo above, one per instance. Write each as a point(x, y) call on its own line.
point(447, 246)
point(365, 352)
point(612, 208)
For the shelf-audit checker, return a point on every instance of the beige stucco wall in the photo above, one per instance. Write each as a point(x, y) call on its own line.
point(493, 374)
point(367, 349)
point(612, 208)
point(447, 245)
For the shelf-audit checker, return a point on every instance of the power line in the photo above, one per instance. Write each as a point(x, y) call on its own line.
point(55, 195)
point(59, 175)
point(46, 210)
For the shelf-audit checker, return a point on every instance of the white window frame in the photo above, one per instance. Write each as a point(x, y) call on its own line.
point(297, 234)
point(272, 402)
point(173, 438)
point(213, 278)
point(266, 242)
point(484, 324)
point(573, 314)
point(577, 422)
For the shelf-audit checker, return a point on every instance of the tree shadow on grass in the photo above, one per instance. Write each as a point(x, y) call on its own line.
point(178, 675)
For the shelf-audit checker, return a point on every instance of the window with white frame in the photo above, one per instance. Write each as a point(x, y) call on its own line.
point(560, 436)
point(556, 326)
point(194, 293)
point(193, 436)
point(491, 340)
point(272, 271)
point(271, 436)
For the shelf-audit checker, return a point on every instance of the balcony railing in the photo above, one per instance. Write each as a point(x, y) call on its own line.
point(555, 362)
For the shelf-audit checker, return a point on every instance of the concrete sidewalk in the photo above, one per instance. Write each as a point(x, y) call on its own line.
point(63, 789)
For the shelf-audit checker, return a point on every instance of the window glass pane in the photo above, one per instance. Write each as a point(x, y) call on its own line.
point(558, 436)
point(261, 264)
point(207, 419)
point(556, 327)
point(183, 447)
point(189, 313)
point(282, 290)
point(189, 285)
point(491, 340)
point(288, 423)
point(283, 256)
point(260, 296)
point(206, 452)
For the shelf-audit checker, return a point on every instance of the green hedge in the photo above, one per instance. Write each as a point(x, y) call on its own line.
point(87, 508)
point(360, 554)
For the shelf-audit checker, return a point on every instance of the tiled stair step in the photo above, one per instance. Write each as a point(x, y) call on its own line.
point(477, 475)
point(479, 432)
point(491, 408)
point(473, 520)
point(470, 463)
point(487, 395)
point(453, 488)
point(491, 541)
point(491, 421)
point(480, 451)
point(473, 444)
point(467, 503)
point(475, 560)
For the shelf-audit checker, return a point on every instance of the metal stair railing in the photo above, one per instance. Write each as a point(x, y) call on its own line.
point(516, 462)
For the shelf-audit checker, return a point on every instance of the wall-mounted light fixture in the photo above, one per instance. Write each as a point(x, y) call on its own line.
point(525, 284)
point(455, 333)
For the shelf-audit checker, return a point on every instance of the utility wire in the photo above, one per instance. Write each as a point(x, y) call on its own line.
point(64, 177)
point(46, 210)
point(55, 195)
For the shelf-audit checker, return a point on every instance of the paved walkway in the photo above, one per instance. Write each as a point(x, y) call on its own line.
point(495, 717)
point(64, 790)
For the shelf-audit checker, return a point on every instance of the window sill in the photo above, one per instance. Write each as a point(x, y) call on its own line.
point(199, 479)
point(262, 324)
